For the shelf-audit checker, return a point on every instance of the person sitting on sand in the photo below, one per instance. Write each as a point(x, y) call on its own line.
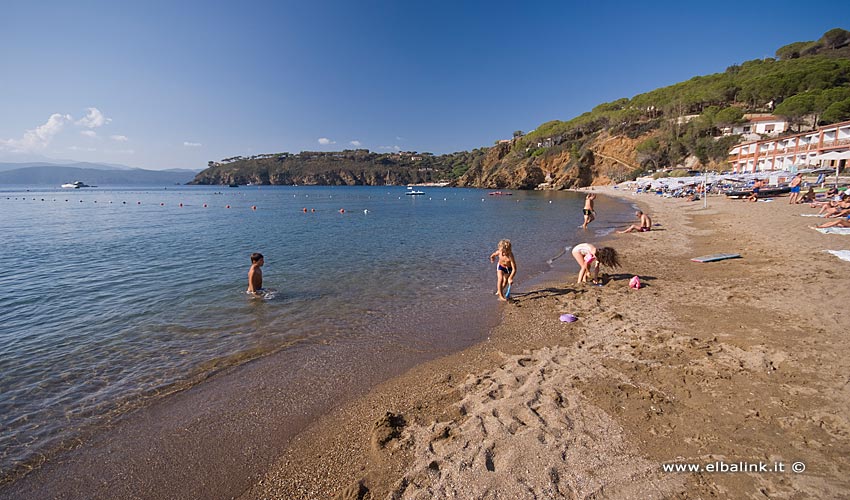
point(834, 209)
point(591, 259)
point(645, 224)
point(810, 196)
point(589, 214)
point(505, 269)
point(255, 274)
point(756, 188)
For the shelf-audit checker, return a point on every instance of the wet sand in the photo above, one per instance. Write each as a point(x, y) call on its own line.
point(742, 360)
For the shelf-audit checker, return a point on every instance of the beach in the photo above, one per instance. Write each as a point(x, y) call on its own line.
point(733, 365)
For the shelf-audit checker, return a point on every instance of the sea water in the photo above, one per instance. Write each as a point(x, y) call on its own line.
point(112, 297)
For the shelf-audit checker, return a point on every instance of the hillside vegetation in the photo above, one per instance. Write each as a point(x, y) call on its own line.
point(807, 82)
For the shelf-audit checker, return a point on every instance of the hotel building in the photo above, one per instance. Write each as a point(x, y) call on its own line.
point(794, 150)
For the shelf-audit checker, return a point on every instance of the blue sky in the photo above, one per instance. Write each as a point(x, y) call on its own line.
point(177, 84)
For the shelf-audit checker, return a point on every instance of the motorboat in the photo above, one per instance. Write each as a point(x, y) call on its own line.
point(413, 192)
point(75, 185)
point(500, 193)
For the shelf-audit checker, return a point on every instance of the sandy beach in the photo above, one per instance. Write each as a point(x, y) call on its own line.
point(742, 362)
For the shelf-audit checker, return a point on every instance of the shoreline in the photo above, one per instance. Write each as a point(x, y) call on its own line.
point(241, 416)
point(704, 364)
point(707, 363)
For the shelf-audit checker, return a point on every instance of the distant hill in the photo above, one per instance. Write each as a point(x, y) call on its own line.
point(56, 175)
point(808, 83)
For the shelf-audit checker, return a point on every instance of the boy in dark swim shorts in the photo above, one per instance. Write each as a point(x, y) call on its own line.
point(589, 215)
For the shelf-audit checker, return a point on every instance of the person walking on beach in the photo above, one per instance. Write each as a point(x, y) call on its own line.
point(589, 214)
point(591, 259)
point(795, 189)
point(645, 224)
point(255, 274)
point(505, 269)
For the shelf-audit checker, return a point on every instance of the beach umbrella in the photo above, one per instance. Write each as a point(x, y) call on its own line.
point(831, 156)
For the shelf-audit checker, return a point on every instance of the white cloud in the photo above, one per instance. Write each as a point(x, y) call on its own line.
point(89, 133)
point(324, 141)
point(93, 119)
point(390, 148)
point(192, 144)
point(39, 137)
point(119, 138)
point(121, 151)
point(356, 144)
point(78, 148)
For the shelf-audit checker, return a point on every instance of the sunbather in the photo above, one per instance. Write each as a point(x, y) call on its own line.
point(843, 222)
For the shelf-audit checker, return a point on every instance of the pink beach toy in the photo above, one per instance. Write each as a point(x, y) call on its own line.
point(634, 282)
point(568, 318)
point(589, 258)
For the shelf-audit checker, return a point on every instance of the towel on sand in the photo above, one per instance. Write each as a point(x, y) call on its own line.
point(833, 230)
point(841, 254)
point(810, 215)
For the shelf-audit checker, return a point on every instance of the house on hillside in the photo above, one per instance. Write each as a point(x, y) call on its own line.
point(760, 123)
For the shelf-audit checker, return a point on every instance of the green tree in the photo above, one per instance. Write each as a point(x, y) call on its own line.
point(729, 116)
point(835, 38)
point(796, 107)
point(650, 151)
point(837, 112)
point(792, 50)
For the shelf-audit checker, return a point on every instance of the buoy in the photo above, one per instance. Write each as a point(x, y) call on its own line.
point(253, 207)
point(181, 204)
point(312, 209)
point(227, 206)
point(162, 204)
point(342, 210)
point(205, 205)
point(138, 203)
point(304, 210)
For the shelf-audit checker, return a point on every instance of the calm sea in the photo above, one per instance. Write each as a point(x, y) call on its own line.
point(112, 297)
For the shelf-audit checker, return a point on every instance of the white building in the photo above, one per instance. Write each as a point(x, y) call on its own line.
point(765, 124)
point(796, 150)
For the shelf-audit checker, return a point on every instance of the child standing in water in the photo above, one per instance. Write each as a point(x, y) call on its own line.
point(505, 269)
point(589, 214)
point(255, 274)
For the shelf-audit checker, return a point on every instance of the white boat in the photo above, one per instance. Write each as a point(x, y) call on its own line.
point(75, 185)
point(413, 192)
